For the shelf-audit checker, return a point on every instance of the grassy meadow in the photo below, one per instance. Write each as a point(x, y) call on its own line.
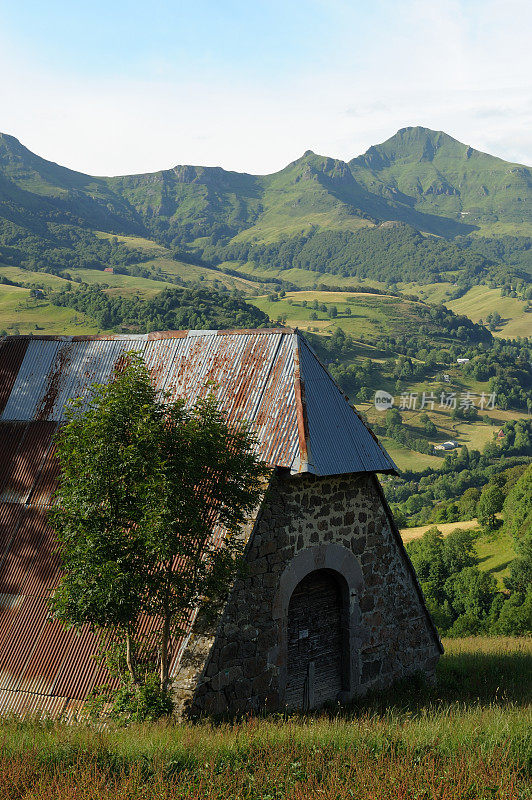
point(477, 303)
point(303, 278)
point(18, 311)
point(469, 736)
point(125, 285)
point(495, 552)
point(409, 534)
point(370, 315)
point(164, 264)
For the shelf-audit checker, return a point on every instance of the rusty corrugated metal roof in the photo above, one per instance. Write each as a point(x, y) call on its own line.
point(269, 378)
point(259, 376)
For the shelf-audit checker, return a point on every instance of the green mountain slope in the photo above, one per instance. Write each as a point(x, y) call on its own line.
point(376, 216)
point(193, 197)
point(435, 174)
point(33, 190)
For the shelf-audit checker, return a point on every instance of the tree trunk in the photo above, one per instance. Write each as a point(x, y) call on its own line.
point(165, 638)
point(165, 641)
point(130, 657)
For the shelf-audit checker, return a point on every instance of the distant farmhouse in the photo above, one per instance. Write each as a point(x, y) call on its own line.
point(329, 605)
point(449, 445)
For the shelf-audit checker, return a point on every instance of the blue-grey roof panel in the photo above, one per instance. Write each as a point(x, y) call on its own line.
point(338, 440)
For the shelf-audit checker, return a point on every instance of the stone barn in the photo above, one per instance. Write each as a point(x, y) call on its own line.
point(329, 605)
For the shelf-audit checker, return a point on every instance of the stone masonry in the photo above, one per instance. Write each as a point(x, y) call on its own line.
point(306, 523)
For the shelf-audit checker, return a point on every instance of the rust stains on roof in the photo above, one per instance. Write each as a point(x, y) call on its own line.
point(51, 391)
point(301, 410)
point(258, 376)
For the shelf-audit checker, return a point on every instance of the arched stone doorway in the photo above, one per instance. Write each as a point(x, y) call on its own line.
point(343, 567)
point(317, 641)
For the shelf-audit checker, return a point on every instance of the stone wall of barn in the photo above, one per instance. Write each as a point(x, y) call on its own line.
point(306, 523)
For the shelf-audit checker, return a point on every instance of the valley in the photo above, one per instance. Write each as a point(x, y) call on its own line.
point(395, 264)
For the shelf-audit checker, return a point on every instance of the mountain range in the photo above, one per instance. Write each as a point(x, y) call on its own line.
point(417, 185)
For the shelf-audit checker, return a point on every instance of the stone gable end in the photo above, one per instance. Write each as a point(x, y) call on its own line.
point(335, 526)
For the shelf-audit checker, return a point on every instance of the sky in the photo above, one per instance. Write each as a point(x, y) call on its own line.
point(125, 86)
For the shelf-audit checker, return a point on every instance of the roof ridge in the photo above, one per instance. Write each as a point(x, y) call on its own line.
point(305, 456)
point(148, 337)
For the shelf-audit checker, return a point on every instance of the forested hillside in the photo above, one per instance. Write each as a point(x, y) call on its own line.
point(172, 309)
point(420, 207)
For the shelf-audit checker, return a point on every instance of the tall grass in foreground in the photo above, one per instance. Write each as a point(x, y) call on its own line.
point(468, 737)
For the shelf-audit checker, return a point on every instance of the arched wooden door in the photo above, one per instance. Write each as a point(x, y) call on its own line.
point(315, 664)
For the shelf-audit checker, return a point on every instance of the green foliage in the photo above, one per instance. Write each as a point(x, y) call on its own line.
point(470, 591)
point(518, 507)
point(144, 703)
point(138, 475)
point(462, 599)
point(399, 253)
point(172, 309)
point(131, 702)
point(515, 615)
point(435, 559)
point(106, 505)
point(489, 504)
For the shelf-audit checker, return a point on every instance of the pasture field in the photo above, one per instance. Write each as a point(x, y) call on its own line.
point(495, 552)
point(384, 314)
point(26, 276)
point(304, 278)
point(275, 223)
point(409, 534)
point(473, 434)
point(134, 242)
point(124, 285)
point(404, 458)
point(430, 292)
point(163, 263)
point(466, 738)
point(18, 311)
point(165, 266)
point(371, 315)
point(480, 301)
point(476, 304)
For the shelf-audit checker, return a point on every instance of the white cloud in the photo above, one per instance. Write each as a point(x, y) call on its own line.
point(463, 67)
